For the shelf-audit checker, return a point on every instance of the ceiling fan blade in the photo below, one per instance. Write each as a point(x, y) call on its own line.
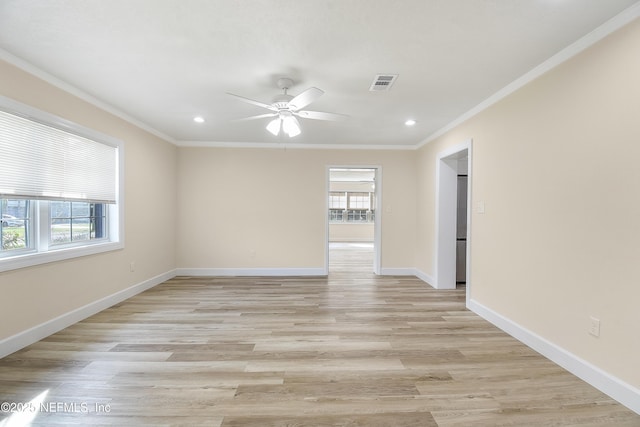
point(253, 102)
point(319, 115)
point(261, 116)
point(305, 98)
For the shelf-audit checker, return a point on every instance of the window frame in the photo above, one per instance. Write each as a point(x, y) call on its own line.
point(43, 252)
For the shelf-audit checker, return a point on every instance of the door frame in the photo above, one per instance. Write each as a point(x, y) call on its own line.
point(377, 224)
point(447, 168)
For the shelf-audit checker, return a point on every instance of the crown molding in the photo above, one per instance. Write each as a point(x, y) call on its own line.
point(286, 145)
point(61, 84)
point(591, 38)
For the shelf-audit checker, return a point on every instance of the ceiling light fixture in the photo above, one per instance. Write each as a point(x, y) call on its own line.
point(274, 126)
point(285, 121)
point(410, 122)
point(285, 109)
point(198, 119)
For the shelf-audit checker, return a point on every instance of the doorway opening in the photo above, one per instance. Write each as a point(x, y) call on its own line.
point(461, 227)
point(453, 219)
point(353, 219)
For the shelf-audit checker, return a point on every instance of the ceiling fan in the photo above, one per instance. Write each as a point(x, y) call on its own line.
point(285, 108)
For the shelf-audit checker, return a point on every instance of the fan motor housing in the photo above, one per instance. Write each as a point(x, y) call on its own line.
point(281, 101)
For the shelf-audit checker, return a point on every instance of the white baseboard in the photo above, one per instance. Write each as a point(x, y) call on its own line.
point(425, 278)
point(408, 271)
point(617, 389)
point(250, 272)
point(398, 271)
point(36, 333)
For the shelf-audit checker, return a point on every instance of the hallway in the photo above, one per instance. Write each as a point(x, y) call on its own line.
point(347, 258)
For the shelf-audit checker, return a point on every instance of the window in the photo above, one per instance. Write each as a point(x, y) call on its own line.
point(360, 207)
point(16, 225)
point(357, 215)
point(337, 200)
point(354, 207)
point(359, 201)
point(60, 185)
point(76, 221)
point(336, 215)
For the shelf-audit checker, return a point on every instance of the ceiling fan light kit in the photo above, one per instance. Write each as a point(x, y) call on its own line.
point(285, 108)
point(274, 126)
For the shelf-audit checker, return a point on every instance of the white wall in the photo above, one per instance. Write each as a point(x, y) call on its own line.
point(246, 209)
point(350, 232)
point(556, 164)
point(37, 295)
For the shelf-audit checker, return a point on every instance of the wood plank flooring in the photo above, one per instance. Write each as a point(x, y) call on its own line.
point(351, 349)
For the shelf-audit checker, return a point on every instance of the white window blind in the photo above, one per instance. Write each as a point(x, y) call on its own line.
point(39, 161)
point(337, 200)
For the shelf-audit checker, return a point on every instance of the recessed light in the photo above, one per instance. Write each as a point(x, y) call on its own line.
point(198, 119)
point(410, 122)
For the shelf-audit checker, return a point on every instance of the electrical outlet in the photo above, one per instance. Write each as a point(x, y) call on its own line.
point(132, 266)
point(594, 326)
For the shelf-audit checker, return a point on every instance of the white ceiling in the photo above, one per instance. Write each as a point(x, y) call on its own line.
point(162, 62)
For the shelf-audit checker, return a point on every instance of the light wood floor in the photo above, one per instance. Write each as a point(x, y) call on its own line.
point(348, 350)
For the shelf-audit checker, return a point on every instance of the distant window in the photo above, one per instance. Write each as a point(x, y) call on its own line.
point(337, 200)
point(357, 215)
point(336, 215)
point(353, 207)
point(359, 201)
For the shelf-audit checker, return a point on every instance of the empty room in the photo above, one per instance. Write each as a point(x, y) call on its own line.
point(319, 213)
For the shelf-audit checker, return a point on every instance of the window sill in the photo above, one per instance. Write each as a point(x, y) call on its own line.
point(32, 259)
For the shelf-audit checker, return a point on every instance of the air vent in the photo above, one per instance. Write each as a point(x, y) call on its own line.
point(383, 82)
